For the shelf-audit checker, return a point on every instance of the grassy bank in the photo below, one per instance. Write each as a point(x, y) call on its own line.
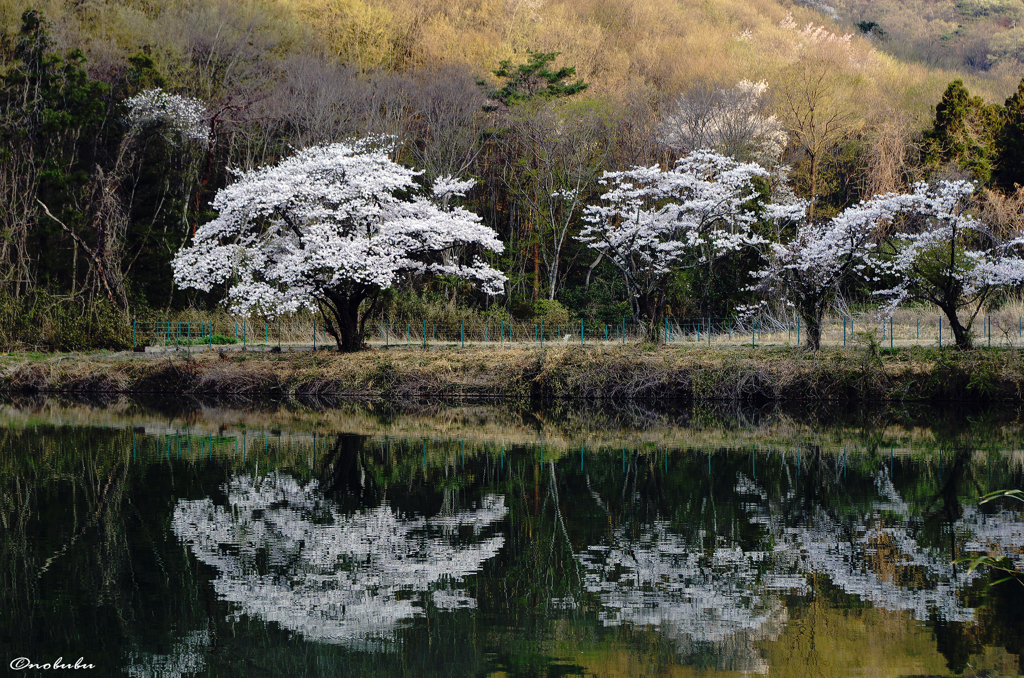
point(563, 372)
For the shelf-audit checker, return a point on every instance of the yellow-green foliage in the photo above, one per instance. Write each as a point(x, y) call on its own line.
point(616, 45)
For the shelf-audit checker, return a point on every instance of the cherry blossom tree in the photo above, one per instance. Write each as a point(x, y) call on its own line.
point(330, 228)
point(921, 246)
point(809, 269)
point(653, 223)
point(935, 251)
point(155, 107)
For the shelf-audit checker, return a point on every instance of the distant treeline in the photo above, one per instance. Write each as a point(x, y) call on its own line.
point(94, 205)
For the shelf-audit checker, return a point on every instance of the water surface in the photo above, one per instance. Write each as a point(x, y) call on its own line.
point(473, 540)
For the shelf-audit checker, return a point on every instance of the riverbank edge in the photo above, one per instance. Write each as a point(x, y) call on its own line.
point(563, 372)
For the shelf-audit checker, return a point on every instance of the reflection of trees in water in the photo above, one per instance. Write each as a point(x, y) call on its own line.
point(716, 592)
point(186, 657)
point(286, 554)
point(712, 604)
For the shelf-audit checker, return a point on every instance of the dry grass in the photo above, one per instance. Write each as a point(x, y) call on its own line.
point(485, 428)
point(562, 372)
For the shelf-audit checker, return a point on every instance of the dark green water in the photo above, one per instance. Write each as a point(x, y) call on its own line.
point(481, 542)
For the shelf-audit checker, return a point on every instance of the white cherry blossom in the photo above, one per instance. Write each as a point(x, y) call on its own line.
point(329, 228)
point(155, 106)
point(935, 251)
point(652, 223)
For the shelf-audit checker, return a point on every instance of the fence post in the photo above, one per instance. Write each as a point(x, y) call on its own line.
point(989, 331)
point(424, 333)
point(844, 331)
point(940, 331)
point(462, 333)
point(890, 332)
point(387, 334)
point(542, 332)
point(798, 330)
point(501, 333)
point(623, 331)
point(709, 332)
point(919, 328)
point(753, 332)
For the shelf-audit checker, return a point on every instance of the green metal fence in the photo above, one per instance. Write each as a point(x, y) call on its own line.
point(922, 330)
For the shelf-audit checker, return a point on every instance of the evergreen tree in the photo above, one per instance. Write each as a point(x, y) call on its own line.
point(1011, 141)
point(964, 132)
point(535, 79)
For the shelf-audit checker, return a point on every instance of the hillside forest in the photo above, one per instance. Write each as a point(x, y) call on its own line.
point(535, 100)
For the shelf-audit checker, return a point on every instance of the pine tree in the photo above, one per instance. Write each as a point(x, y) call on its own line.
point(964, 132)
point(1011, 141)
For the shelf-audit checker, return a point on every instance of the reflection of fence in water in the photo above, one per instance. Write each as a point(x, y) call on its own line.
point(921, 330)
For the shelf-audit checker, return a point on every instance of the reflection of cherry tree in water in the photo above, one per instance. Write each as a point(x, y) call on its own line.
point(287, 554)
point(716, 590)
point(711, 600)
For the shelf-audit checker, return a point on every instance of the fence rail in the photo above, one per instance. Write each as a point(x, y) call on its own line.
point(922, 330)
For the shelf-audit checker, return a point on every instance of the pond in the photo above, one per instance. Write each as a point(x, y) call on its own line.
point(475, 539)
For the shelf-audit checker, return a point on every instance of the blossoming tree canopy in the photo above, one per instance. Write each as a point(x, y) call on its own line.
point(653, 223)
point(937, 252)
point(329, 228)
point(155, 106)
point(809, 269)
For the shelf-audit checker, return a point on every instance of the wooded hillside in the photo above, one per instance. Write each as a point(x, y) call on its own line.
point(531, 98)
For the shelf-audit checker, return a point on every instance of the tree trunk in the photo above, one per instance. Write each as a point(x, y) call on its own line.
point(813, 324)
point(814, 187)
point(812, 312)
point(961, 334)
point(536, 271)
point(341, 318)
point(652, 311)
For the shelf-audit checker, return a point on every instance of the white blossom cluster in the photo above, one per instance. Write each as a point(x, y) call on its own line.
point(326, 218)
point(808, 269)
point(653, 222)
point(156, 107)
point(916, 241)
point(814, 34)
point(351, 578)
point(936, 231)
